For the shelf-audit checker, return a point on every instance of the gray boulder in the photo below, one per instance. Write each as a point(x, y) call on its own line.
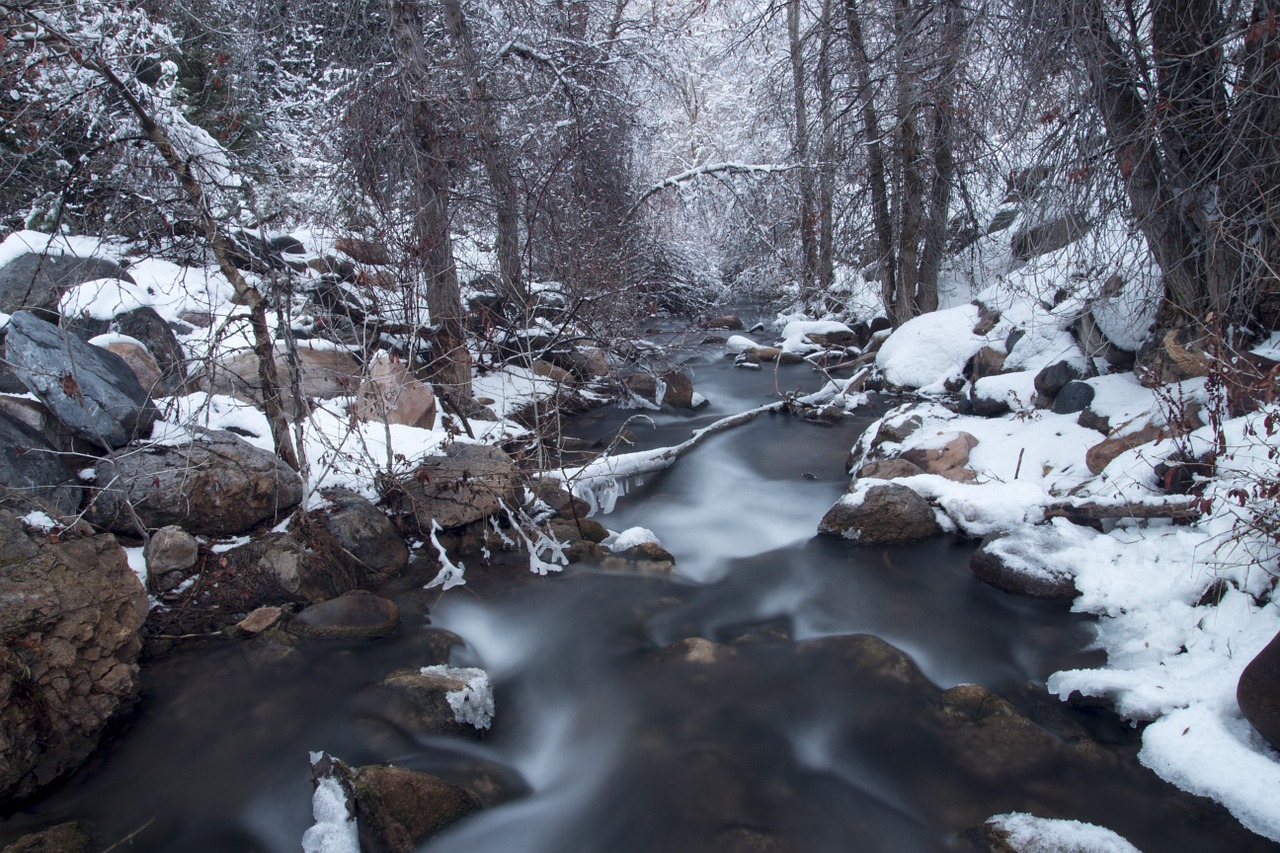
point(71, 615)
point(37, 282)
point(1022, 566)
point(92, 391)
point(364, 533)
point(32, 474)
point(466, 483)
point(1074, 397)
point(881, 514)
point(217, 485)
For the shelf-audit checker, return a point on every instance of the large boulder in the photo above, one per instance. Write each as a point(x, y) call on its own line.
point(218, 484)
point(364, 533)
point(325, 374)
point(948, 460)
point(92, 391)
point(877, 513)
point(152, 331)
point(390, 393)
point(37, 282)
point(466, 483)
point(71, 615)
point(1022, 566)
point(1258, 692)
point(32, 474)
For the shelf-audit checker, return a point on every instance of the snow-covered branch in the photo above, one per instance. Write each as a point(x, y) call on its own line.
point(708, 169)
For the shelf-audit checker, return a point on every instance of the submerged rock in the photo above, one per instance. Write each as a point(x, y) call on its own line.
point(397, 809)
point(436, 700)
point(67, 837)
point(356, 615)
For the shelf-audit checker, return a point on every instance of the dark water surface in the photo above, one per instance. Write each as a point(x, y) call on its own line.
point(792, 732)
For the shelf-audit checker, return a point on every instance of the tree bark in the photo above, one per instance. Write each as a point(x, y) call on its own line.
point(497, 166)
point(808, 216)
point(911, 197)
point(826, 272)
point(432, 247)
point(882, 222)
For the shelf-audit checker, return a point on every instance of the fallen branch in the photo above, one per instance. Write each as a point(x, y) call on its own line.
point(1092, 513)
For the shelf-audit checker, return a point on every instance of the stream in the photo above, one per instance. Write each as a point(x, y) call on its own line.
point(790, 730)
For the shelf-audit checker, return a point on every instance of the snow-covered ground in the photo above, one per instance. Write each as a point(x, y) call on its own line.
point(1173, 655)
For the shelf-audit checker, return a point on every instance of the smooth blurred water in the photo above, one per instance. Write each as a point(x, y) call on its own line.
point(617, 743)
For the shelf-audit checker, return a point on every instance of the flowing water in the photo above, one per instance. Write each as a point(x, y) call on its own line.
point(793, 732)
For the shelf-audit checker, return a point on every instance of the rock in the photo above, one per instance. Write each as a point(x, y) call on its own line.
point(326, 373)
point(71, 615)
point(1258, 692)
point(1091, 420)
point(677, 388)
point(837, 339)
point(363, 251)
point(988, 361)
point(585, 363)
point(568, 529)
point(260, 620)
point(365, 533)
point(37, 282)
point(987, 736)
point(357, 615)
point(433, 700)
point(1024, 572)
point(389, 392)
point(1052, 378)
point(91, 391)
point(547, 370)
point(32, 474)
point(277, 568)
point(888, 469)
point(465, 484)
point(646, 557)
point(944, 460)
point(137, 357)
point(557, 497)
point(881, 513)
point(728, 322)
point(67, 837)
point(987, 407)
point(170, 549)
point(868, 656)
point(150, 329)
point(1100, 455)
point(1173, 356)
point(218, 485)
point(896, 430)
point(9, 381)
point(696, 651)
point(1047, 236)
point(397, 809)
point(1074, 397)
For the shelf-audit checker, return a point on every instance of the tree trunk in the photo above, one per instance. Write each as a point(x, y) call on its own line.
point(492, 154)
point(826, 273)
point(808, 216)
point(881, 220)
point(911, 198)
point(432, 247)
point(944, 106)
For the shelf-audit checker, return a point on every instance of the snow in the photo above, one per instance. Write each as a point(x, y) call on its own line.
point(473, 704)
point(630, 538)
point(1173, 657)
point(930, 349)
point(1030, 834)
point(334, 830)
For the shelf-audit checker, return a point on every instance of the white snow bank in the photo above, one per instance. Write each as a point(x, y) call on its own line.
point(473, 704)
point(1030, 834)
point(927, 351)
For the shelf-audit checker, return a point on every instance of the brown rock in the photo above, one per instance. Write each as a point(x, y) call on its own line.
point(465, 484)
point(888, 469)
point(260, 620)
point(363, 251)
point(357, 615)
point(67, 837)
point(550, 371)
point(390, 393)
point(140, 361)
point(1100, 455)
point(1176, 355)
point(881, 514)
point(728, 321)
point(1258, 692)
point(398, 809)
point(989, 361)
point(940, 460)
point(71, 615)
point(170, 549)
point(326, 373)
point(987, 736)
point(417, 702)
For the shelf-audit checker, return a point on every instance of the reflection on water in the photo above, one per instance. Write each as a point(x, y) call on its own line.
point(792, 732)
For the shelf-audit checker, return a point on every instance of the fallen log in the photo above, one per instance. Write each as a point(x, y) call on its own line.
point(1090, 513)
